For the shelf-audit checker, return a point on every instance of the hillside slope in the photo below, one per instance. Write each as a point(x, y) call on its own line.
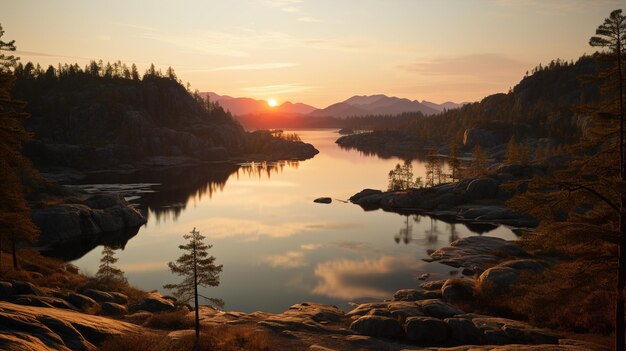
point(93, 122)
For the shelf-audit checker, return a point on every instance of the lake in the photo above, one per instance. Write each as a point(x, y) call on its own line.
point(277, 246)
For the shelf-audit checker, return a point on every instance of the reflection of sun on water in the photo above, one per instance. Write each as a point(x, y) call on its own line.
point(272, 102)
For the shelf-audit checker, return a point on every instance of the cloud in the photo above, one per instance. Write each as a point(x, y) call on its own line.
point(351, 279)
point(310, 247)
point(247, 230)
point(353, 245)
point(276, 89)
point(45, 54)
point(255, 66)
point(553, 7)
point(207, 42)
point(292, 259)
point(479, 66)
point(284, 5)
point(104, 38)
point(309, 19)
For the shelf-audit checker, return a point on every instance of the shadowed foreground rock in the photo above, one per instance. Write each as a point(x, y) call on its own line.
point(75, 227)
point(41, 328)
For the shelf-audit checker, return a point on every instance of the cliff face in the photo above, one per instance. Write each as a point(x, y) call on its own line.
point(90, 123)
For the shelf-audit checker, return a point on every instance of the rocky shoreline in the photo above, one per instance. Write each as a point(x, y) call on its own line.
point(420, 318)
point(471, 200)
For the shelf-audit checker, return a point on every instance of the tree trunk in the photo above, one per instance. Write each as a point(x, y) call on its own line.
point(620, 339)
point(195, 294)
point(15, 267)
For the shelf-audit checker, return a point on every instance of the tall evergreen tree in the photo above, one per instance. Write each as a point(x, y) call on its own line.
point(479, 164)
point(16, 172)
point(197, 269)
point(582, 206)
point(612, 35)
point(134, 73)
point(454, 162)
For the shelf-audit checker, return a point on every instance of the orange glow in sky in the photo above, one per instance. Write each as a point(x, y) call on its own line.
point(315, 51)
point(272, 102)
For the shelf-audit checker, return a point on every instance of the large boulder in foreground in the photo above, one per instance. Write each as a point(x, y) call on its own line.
point(379, 326)
point(154, 303)
point(38, 328)
point(458, 289)
point(498, 279)
point(426, 330)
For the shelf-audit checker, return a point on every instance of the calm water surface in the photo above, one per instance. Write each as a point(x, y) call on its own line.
point(277, 246)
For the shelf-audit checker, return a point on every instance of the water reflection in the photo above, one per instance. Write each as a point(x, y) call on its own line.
point(432, 231)
point(405, 234)
point(82, 245)
point(257, 169)
point(269, 234)
point(371, 278)
point(166, 192)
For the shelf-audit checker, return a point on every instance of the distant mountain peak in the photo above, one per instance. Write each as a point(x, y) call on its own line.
point(247, 106)
point(378, 104)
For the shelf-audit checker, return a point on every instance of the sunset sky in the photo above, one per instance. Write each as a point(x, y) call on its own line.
point(315, 51)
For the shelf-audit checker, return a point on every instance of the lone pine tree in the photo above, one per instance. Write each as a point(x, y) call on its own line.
point(107, 271)
point(198, 269)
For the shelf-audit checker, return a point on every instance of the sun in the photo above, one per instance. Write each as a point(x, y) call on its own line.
point(272, 102)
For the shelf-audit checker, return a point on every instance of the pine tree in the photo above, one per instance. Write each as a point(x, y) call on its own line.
point(133, 72)
point(198, 269)
point(517, 154)
point(16, 172)
point(171, 74)
point(433, 169)
point(107, 271)
point(582, 208)
point(401, 177)
point(612, 35)
point(479, 165)
point(454, 162)
point(7, 62)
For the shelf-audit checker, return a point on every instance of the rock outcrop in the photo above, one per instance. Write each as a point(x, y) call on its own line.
point(464, 201)
point(74, 227)
point(44, 328)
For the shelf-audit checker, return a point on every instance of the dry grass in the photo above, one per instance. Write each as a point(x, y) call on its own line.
point(565, 297)
point(220, 338)
point(171, 320)
point(121, 286)
point(51, 273)
point(40, 270)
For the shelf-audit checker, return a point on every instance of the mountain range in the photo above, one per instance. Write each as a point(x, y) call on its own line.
point(358, 105)
point(248, 106)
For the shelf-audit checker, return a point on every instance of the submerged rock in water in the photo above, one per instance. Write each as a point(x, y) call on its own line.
point(323, 200)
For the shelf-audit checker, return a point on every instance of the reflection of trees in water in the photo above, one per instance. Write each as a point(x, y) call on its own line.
point(180, 184)
point(258, 169)
point(165, 192)
point(405, 234)
point(454, 235)
point(432, 234)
